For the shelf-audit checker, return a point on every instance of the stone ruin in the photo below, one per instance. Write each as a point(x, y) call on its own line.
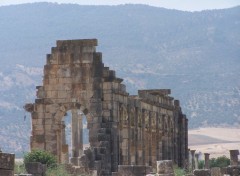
point(6, 164)
point(125, 130)
point(232, 170)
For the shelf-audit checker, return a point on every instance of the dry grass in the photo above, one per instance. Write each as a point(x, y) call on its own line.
point(216, 141)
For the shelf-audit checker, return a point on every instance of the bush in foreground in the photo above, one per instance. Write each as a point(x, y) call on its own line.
point(178, 171)
point(19, 168)
point(41, 156)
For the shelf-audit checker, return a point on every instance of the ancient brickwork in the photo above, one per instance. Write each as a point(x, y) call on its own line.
point(123, 129)
point(6, 164)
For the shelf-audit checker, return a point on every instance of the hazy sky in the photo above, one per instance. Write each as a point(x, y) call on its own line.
point(189, 5)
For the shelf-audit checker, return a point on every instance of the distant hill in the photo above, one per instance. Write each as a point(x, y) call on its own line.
point(196, 54)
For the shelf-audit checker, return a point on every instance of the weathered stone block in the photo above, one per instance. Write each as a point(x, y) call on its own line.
point(39, 138)
point(7, 161)
point(37, 121)
point(6, 172)
point(35, 168)
point(165, 167)
point(202, 172)
point(216, 171)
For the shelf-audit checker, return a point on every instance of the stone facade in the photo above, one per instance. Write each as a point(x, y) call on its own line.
point(123, 129)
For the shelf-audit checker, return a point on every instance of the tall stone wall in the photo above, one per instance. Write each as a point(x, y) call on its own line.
point(123, 129)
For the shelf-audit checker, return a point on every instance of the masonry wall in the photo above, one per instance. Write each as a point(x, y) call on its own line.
point(123, 129)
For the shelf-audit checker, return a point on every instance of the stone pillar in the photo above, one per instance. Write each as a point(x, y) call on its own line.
point(75, 138)
point(193, 159)
point(165, 168)
point(63, 134)
point(196, 161)
point(80, 135)
point(64, 145)
point(234, 157)
point(206, 158)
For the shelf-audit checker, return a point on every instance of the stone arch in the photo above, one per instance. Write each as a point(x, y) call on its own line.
point(69, 106)
point(63, 148)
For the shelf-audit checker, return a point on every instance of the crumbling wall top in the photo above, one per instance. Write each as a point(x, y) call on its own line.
point(157, 91)
point(80, 42)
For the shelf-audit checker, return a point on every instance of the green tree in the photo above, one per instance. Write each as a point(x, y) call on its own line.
point(201, 164)
point(221, 161)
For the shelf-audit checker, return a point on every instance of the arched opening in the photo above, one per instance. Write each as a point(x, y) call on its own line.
point(74, 136)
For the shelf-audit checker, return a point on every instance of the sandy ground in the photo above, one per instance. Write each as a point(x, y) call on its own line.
point(216, 141)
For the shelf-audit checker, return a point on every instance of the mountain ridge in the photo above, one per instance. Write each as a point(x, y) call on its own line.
point(196, 54)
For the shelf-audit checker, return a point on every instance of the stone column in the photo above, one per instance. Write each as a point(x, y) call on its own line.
point(63, 126)
point(187, 164)
point(80, 135)
point(206, 158)
point(64, 145)
point(196, 161)
point(234, 157)
point(193, 159)
point(75, 138)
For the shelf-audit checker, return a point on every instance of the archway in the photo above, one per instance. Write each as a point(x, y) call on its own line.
point(73, 136)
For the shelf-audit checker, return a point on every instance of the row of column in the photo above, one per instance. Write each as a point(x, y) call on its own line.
point(195, 158)
point(141, 145)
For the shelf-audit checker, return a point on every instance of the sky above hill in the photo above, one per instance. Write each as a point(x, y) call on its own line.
point(187, 5)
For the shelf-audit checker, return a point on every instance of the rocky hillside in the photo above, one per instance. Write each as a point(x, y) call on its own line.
point(196, 54)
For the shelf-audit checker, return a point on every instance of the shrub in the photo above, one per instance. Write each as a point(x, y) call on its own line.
point(178, 171)
point(201, 164)
point(221, 161)
point(41, 156)
point(19, 168)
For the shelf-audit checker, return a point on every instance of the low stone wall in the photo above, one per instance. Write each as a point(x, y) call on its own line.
point(7, 164)
point(36, 168)
point(128, 170)
point(202, 172)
